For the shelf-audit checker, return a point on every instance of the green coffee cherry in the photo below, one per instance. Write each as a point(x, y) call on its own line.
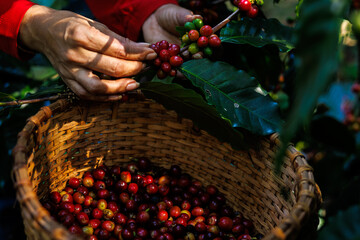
point(198, 23)
point(185, 38)
point(193, 48)
point(189, 26)
point(208, 51)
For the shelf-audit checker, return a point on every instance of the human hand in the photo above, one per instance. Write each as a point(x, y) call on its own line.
point(76, 46)
point(161, 25)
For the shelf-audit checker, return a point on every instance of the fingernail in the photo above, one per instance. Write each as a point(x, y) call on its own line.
point(144, 44)
point(151, 56)
point(132, 86)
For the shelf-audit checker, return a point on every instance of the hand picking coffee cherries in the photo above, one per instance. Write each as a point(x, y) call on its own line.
point(200, 39)
point(168, 59)
point(249, 7)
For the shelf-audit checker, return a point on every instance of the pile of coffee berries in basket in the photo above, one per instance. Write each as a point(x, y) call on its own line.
point(140, 201)
point(168, 59)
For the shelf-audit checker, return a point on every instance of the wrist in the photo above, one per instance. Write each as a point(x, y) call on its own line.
point(29, 37)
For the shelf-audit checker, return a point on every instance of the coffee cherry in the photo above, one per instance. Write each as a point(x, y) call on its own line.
point(133, 188)
point(88, 182)
point(206, 30)
point(173, 73)
point(166, 67)
point(162, 215)
point(161, 74)
point(253, 11)
point(83, 218)
point(163, 45)
point(225, 223)
point(74, 182)
point(189, 26)
point(55, 197)
point(193, 35)
point(99, 174)
point(202, 41)
point(193, 48)
point(198, 23)
point(214, 41)
point(174, 49)
point(176, 61)
point(185, 39)
point(164, 55)
point(244, 5)
point(208, 51)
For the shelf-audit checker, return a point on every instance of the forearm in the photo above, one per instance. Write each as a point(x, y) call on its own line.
point(11, 14)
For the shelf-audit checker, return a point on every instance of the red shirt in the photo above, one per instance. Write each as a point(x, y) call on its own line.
point(122, 16)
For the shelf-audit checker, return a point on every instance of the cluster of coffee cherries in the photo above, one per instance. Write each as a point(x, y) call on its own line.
point(168, 59)
point(141, 201)
point(200, 40)
point(249, 7)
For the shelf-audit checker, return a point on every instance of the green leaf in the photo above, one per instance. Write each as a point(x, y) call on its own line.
point(41, 72)
point(236, 95)
point(345, 226)
point(181, 30)
point(168, 79)
point(187, 103)
point(6, 97)
point(317, 33)
point(258, 33)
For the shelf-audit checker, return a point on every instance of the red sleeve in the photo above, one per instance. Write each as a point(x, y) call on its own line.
point(123, 16)
point(11, 14)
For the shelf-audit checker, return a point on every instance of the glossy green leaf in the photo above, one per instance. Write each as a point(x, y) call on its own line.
point(258, 33)
point(236, 95)
point(345, 226)
point(187, 103)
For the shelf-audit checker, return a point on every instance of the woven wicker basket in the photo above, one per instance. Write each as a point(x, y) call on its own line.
point(65, 140)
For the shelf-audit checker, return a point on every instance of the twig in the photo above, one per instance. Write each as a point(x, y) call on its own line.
point(21, 102)
point(225, 21)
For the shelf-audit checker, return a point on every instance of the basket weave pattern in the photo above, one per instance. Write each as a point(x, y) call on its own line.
point(65, 140)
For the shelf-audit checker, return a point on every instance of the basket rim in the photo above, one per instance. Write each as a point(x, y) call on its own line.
point(307, 202)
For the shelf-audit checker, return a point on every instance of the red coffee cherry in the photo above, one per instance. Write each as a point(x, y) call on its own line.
point(214, 41)
point(206, 30)
point(202, 41)
point(166, 67)
point(173, 73)
point(163, 45)
point(194, 35)
point(253, 12)
point(157, 62)
point(174, 49)
point(244, 5)
point(164, 55)
point(176, 61)
point(161, 74)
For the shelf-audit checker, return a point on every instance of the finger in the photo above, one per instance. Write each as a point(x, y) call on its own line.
point(109, 43)
point(108, 65)
point(96, 86)
point(83, 94)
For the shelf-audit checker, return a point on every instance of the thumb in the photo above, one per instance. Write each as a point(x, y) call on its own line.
point(170, 15)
